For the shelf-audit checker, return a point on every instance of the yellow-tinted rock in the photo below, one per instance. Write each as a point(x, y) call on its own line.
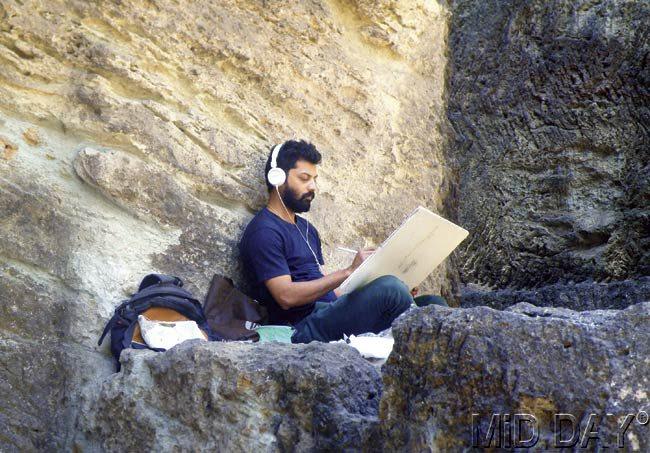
point(8, 148)
point(150, 128)
point(32, 137)
point(201, 91)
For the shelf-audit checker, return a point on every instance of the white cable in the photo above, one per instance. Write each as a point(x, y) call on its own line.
point(300, 232)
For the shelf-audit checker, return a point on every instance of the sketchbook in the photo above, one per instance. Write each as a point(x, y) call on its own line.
point(411, 252)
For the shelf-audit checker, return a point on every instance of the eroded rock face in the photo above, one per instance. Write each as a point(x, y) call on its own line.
point(236, 397)
point(41, 384)
point(448, 364)
point(46, 364)
point(580, 296)
point(549, 103)
point(133, 139)
point(170, 113)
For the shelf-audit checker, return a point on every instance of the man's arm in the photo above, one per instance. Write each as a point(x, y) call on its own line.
point(293, 294)
point(290, 294)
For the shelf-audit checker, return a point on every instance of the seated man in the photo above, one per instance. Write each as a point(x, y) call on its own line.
point(282, 258)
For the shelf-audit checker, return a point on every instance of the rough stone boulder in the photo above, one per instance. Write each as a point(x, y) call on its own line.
point(579, 296)
point(235, 397)
point(448, 364)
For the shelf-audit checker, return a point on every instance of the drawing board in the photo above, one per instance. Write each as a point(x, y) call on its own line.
point(411, 252)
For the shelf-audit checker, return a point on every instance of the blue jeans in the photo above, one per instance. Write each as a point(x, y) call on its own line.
point(371, 308)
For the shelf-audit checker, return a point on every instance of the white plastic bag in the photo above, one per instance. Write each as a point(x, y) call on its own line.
point(371, 347)
point(166, 334)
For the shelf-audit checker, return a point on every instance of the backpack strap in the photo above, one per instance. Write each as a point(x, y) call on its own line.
point(153, 279)
point(188, 308)
point(152, 292)
point(112, 321)
point(108, 327)
point(128, 335)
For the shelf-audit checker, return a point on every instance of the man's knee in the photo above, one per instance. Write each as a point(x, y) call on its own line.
point(394, 290)
point(390, 283)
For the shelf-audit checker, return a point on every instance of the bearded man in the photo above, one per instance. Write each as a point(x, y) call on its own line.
point(282, 258)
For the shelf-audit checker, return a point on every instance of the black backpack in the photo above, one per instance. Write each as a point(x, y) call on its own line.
point(155, 290)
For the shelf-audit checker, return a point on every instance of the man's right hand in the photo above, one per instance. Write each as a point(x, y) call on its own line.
point(360, 257)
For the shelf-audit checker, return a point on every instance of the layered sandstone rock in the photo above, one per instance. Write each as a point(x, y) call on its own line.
point(180, 104)
point(133, 138)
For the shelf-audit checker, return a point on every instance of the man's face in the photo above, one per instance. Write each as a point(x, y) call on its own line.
point(300, 188)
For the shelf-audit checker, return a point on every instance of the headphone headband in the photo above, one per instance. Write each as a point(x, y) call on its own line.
point(276, 176)
point(274, 155)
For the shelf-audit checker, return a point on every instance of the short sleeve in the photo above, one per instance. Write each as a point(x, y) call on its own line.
point(264, 251)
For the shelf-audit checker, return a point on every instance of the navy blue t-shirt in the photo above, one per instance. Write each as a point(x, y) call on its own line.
point(271, 247)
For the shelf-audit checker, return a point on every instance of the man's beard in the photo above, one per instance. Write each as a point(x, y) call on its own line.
point(295, 203)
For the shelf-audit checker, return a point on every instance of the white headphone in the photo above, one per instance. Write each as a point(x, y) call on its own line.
point(276, 177)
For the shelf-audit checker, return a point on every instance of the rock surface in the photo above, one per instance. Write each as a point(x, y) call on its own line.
point(580, 296)
point(236, 397)
point(46, 361)
point(161, 120)
point(550, 106)
point(42, 383)
point(133, 139)
point(450, 363)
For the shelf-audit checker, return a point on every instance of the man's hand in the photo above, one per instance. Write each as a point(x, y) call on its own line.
point(360, 257)
point(288, 293)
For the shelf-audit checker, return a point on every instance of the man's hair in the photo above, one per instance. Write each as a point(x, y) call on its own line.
point(291, 152)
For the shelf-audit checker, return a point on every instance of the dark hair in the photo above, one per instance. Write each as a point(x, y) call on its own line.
point(291, 152)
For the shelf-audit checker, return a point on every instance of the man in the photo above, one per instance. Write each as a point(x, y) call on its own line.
point(282, 258)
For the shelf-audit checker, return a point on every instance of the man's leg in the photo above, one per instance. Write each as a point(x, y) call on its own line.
point(371, 308)
point(429, 299)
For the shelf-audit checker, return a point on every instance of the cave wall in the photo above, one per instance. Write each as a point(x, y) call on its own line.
point(549, 104)
point(133, 137)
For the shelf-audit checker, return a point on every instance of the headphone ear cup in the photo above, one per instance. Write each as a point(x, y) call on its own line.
point(276, 176)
